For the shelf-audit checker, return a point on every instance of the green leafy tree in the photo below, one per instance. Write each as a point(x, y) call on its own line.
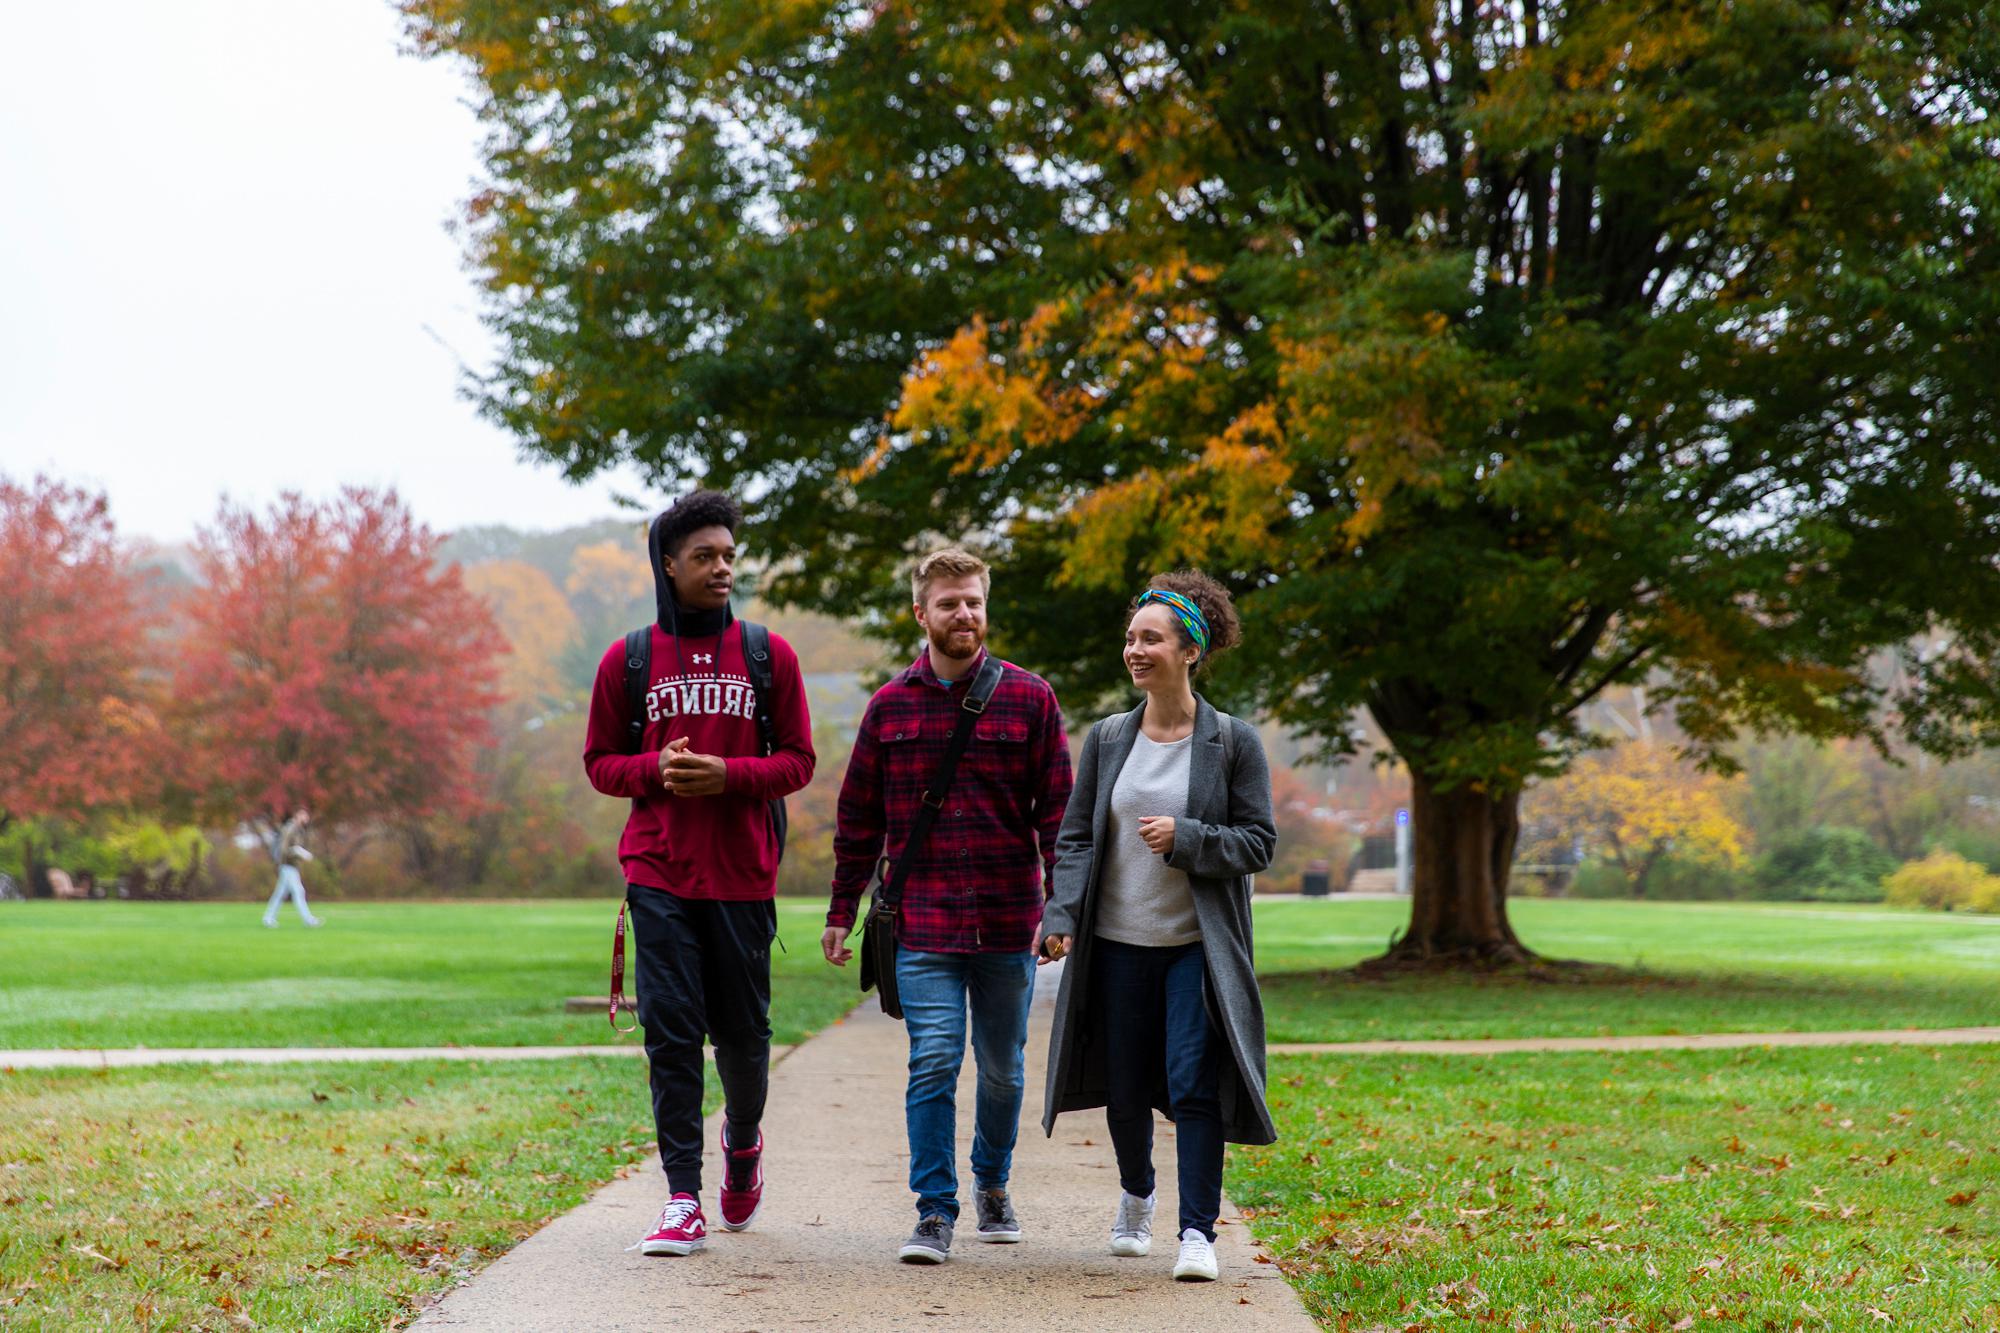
point(1829, 862)
point(1495, 355)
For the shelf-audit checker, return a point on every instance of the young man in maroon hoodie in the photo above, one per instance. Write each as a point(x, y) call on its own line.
point(700, 851)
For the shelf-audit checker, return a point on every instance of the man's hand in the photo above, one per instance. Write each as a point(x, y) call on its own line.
point(689, 774)
point(1158, 832)
point(1053, 947)
point(674, 747)
point(833, 943)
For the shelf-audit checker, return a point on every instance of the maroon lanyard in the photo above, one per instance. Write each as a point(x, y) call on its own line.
point(618, 974)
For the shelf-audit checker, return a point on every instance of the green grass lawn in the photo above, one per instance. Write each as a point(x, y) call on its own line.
point(408, 974)
point(1840, 1189)
point(290, 1196)
point(86, 974)
point(1694, 967)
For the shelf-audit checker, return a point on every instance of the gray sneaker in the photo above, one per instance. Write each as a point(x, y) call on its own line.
point(1132, 1231)
point(930, 1243)
point(997, 1222)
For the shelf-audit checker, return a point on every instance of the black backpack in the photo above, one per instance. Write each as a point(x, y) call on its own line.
point(756, 655)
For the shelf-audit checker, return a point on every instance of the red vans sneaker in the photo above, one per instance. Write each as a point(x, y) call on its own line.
point(681, 1229)
point(742, 1183)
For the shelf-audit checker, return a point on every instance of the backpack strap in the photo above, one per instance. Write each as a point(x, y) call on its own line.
point(757, 657)
point(638, 681)
point(757, 661)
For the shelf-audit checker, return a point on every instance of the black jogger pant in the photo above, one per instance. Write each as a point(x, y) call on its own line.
point(702, 969)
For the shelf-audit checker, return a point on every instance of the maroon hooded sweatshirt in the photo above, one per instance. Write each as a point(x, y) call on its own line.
point(716, 847)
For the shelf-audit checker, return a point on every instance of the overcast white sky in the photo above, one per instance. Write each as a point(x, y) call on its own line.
point(224, 266)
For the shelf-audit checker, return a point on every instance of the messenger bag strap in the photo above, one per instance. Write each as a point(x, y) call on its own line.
point(976, 699)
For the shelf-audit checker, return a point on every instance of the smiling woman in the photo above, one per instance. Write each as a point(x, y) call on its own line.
point(1169, 821)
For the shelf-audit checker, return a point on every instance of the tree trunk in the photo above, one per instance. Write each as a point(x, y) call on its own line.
point(34, 872)
point(1645, 872)
point(1463, 841)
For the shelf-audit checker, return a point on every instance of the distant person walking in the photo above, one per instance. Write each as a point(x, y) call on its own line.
point(972, 893)
point(1158, 1007)
point(286, 846)
point(700, 719)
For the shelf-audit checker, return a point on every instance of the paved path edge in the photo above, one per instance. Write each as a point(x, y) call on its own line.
point(93, 1058)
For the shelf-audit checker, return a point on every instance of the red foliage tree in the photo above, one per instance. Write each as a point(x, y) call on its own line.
point(329, 662)
point(77, 730)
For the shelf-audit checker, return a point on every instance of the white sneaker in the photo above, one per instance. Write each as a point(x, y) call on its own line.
point(1197, 1261)
point(1132, 1232)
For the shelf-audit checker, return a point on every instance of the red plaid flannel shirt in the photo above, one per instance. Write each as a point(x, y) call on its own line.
point(978, 883)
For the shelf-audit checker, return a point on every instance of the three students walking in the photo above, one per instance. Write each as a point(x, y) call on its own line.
point(1136, 868)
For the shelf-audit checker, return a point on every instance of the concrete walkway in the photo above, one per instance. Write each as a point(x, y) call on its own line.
point(1674, 1041)
point(823, 1251)
point(283, 1055)
point(289, 1055)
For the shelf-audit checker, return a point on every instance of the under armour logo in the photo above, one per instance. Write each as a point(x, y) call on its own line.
point(704, 659)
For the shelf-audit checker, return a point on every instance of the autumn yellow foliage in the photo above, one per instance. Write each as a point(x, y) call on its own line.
point(1636, 804)
point(535, 618)
point(1944, 880)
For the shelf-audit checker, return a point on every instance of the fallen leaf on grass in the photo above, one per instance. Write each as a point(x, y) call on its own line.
point(1961, 1199)
point(92, 1252)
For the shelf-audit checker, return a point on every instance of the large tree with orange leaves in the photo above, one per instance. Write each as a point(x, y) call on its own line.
point(1494, 354)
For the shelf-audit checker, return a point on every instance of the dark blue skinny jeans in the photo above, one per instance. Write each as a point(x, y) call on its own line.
point(1153, 1027)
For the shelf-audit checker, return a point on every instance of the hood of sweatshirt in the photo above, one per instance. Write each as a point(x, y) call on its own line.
point(674, 618)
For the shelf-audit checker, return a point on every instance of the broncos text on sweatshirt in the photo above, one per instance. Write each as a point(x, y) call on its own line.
point(718, 847)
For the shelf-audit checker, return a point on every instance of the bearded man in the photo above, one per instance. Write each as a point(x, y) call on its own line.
point(972, 893)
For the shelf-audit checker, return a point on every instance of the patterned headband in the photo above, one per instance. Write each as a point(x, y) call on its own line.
point(1186, 611)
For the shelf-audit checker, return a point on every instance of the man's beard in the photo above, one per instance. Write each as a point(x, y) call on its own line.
point(941, 639)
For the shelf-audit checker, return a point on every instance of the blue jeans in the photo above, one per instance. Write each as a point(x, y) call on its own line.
point(1155, 1030)
point(293, 887)
point(935, 988)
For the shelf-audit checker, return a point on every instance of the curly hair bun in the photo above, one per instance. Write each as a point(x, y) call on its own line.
point(1218, 608)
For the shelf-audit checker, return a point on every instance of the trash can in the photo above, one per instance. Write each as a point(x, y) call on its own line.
point(1317, 881)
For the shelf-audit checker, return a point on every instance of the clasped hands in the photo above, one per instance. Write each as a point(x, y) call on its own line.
point(686, 773)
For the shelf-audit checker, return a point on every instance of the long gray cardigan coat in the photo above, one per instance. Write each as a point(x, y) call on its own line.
point(1224, 838)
